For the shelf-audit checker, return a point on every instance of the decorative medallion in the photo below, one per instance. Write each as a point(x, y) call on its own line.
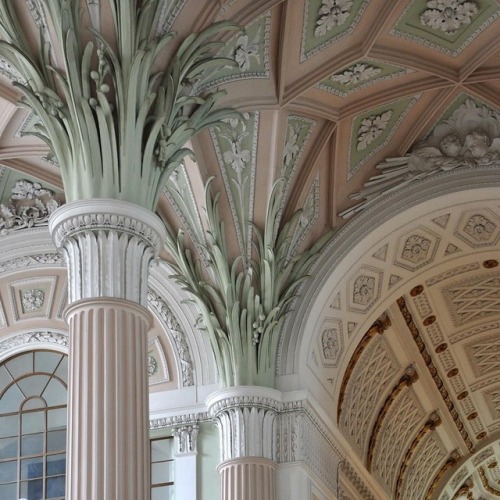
point(365, 288)
point(416, 249)
point(32, 299)
point(448, 15)
point(480, 228)
point(332, 342)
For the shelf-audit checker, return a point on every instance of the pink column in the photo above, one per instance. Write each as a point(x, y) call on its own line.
point(108, 247)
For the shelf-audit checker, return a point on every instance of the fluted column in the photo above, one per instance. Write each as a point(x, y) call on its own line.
point(247, 422)
point(108, 247)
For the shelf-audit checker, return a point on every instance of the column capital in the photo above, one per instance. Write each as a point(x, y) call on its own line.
point(247, 420)
point(108, 245)
point(186, 439)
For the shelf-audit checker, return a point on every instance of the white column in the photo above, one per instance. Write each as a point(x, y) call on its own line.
point(108, 247)
point(246, 417)
point(185, 463)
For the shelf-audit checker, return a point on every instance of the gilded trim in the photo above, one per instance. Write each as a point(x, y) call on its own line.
point(433, 371)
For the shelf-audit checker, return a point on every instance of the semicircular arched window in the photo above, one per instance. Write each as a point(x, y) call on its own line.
point(33, 399)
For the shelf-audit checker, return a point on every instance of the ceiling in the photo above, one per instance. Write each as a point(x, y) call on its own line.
point(330, 89)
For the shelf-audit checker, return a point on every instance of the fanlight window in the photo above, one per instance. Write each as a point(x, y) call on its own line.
point(33, 398)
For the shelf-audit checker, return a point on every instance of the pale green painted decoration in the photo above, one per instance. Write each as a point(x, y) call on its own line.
point(304, 223)
point(249, 51)
point(360, 75)
point(446, 25)
point(117, 127)
point(371, 131)
point(243, 302)
point(180, 194)
point(235, 143)
point(326, 21)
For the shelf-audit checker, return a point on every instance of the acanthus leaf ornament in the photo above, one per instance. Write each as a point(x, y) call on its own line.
point(117, 127)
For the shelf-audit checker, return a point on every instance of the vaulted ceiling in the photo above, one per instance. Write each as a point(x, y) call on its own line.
point(330, 89)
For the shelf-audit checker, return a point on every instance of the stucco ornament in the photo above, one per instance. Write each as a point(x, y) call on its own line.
point(448, 15)
point(332, 13)
point(469, 138)
point(243, 302)
point(116, 123)
point(246, 50)
point(371, 128)
point(29, 205)
point(355, 74)
point(32, 299)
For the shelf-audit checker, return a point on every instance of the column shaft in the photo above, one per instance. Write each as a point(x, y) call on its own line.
point(108, 407)
point(248, 479)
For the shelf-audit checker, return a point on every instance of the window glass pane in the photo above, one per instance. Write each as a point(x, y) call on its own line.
point(161, 449)
point(20, 365)
point(5, 378)
point(33, 422)
point(56, 419)
point(162, 493)
point(32, 490)
point(11, 400)
point(8, 490)
point(32, 468)
point(162, 472)
point(34, 385)
point(55, 486)
point(9, 426)
point(33, 404)
point(32, 444)
point(8, 448)
point(47, 361)
point(62, 370)
point(56, 440)
point(56, 464)
point(8, 472)
point(55, 393)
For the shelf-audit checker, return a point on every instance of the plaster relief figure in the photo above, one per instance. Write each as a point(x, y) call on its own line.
point(469, 138)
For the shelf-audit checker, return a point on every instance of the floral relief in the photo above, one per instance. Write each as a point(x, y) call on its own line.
point(246, 50)
point(332, 13)
point(29, 205)
point(237, 157)
point(355, 74)
point(152, 365)
point(448, 15)
point(480, 228)
point(416, 248)
point(32, 299)
point(364, 290)
point(371, 128)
